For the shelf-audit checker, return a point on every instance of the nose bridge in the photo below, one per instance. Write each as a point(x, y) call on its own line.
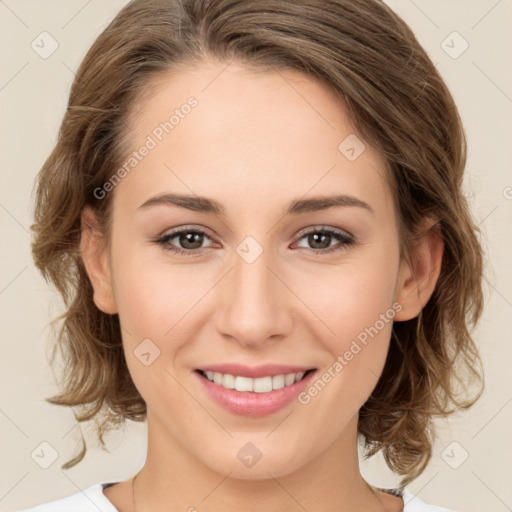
point(255, 303)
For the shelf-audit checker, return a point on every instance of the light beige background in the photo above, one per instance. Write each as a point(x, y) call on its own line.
point(33, 96)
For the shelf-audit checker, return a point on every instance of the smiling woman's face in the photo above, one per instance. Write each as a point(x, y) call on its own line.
point(258, 285)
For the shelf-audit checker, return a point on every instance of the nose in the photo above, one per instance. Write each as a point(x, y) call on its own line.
point(255, 304)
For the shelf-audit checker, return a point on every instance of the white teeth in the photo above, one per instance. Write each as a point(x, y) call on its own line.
point(262, 385)
point(259, 385)
point(278, 381)
point(244, 383)
point(228, 381)
point(289, 379)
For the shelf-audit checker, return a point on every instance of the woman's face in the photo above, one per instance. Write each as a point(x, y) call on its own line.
point(260, 288)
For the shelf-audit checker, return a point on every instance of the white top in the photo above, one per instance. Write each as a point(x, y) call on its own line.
point(93, 500)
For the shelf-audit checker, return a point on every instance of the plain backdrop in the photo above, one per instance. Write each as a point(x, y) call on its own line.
point(472, 463)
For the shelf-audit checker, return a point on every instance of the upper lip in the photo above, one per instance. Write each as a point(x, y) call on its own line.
point(254, 372)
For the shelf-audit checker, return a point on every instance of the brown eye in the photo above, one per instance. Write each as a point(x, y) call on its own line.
point(320, 240)
point(187, 241)
point(190, 239)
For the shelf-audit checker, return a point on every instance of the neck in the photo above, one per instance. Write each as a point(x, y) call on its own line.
point(173, 479)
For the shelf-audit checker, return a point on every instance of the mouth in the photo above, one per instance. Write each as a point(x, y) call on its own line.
point(253, 392)
point(264, 384)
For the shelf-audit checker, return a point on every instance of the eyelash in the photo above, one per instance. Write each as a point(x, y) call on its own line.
point(345, 239)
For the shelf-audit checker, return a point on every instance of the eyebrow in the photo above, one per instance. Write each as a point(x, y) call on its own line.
point(298, 206)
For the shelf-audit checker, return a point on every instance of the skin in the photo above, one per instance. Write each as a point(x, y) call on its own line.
point(255, 142)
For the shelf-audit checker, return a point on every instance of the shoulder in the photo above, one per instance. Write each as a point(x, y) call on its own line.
point(413, 504)
point(88, 500)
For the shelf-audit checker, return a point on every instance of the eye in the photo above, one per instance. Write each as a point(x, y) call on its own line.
point(320, 240)
point(190, 240)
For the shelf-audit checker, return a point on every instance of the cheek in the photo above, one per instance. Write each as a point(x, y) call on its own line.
point(153, 305)
point(355, 303)
point(357, 354)
point(157, 301)
point(152, 296)
point(351, 296)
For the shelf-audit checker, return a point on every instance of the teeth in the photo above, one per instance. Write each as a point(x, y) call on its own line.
point(262, 385)
point(259, 385)
point(299, 376)
point(244, 384)
point(278, 381)
point(228, 381)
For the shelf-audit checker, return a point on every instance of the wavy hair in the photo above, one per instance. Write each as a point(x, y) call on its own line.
point(370, 58)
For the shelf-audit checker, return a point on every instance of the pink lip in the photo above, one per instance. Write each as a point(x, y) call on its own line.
point(266, 370)
point(248, 403)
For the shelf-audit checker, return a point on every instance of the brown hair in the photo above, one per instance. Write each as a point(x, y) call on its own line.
point(370, 58)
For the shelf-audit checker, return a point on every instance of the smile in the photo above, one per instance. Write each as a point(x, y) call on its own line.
point(260, 392)
point(259, 385)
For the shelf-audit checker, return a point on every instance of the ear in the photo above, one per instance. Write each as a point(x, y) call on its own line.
point(96, 261)
point(417, 278)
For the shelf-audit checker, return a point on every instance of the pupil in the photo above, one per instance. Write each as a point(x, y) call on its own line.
point(314, 239)
point(187, 239)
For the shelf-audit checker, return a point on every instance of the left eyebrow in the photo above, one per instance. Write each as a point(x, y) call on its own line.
point(314, 204)
point(298, 206)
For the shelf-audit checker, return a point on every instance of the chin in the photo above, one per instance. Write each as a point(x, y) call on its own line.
point(251, 463)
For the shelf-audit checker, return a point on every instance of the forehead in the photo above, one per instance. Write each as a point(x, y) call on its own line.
point(238, 134)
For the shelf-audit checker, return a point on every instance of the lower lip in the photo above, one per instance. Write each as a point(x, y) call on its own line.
point(248, 403)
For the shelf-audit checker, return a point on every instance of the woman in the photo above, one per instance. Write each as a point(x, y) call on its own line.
point(254, 214)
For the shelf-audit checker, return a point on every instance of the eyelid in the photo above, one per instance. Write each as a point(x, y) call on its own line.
point(185, 227)
point(323, 227)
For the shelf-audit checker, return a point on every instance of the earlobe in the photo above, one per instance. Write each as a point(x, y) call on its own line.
point(418, 277)
point(95, 257)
